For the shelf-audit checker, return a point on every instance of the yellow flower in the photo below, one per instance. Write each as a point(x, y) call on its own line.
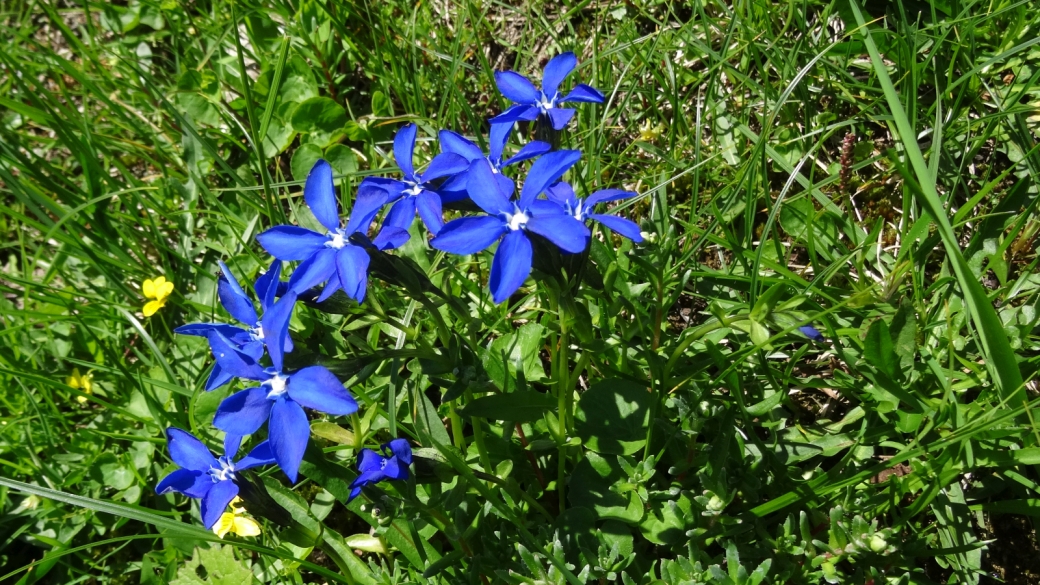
point(157, 289)
point(81, 382)
point(235, 522)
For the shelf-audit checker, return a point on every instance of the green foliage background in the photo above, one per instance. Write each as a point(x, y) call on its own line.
point(868, 169)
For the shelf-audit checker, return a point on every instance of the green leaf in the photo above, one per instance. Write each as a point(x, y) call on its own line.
point(322, 118)
point(593, 484)
point(514, 406)
point(342, 159)
point(519, 349)
point(612, 416)
point(214, 566)
point(878, 349)
point(112, 472)
point(665, 521)
point(766, 302)
point(303, 160)
point(382, 107)
point(332, 432)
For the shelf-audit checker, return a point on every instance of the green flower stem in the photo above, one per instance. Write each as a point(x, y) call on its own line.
point(562, 378)
point(478, 437)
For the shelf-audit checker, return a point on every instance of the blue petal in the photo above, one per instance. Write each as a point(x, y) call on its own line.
point(516, 87)
point(288, 242)
point(530, 150)
point(231, 444)
point(355, 491)
point(392, 187)
point(320, 194)
point(560, 116)
point(394, 470)
point(288, 434)
point(367, 204)
point(216, 501)
point(505, 184)
point(511, 265)
point(243, 413)
point(313, 271)
point(189, 452)
point(544, 172)
point(607, 195)
point(390, 237)
point(811, 332)
point(217, 378)
point(429, 205)
point(469, 235)
point(556, 70)
point(619, 225)
point(569, 234)
point(546, 207)
point(204, 329)
point(366, 478)
point(498, 139)
point(485, 190)
point(319, 389)
point(517, 113)
point(562, 193)
point(231, 360)
point(584, 93)
point(369, 460)
point(253, 349)
point(352, 265)
point(401, 214)
point(454, 188)
point(330, 289)
point(401, 449)
point(266, 286)
point(443, 165)
point(404, 149)
point(456, 143)
point(234, 298)
point(260, 455)
point(275, 324)
point(193, 484)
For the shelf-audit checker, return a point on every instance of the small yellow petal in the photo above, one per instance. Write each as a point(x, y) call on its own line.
point(81, 399)
point(246, 527)
point(152, 306)
point(224, 525)
point(148, 288)
point(86, 384)
point(164, 290)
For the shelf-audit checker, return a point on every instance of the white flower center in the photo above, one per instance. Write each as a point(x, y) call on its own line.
point(336, 240)
point(258, 332)
point(278, 386)
point(545, 103)
point(226, 471)
point(414, 190)
point(516, 220)
point(578, 215)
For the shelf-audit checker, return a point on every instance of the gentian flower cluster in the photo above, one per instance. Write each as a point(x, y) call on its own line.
point(276, 395)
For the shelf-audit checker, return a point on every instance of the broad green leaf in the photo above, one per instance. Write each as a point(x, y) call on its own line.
point(519, 406)
point(612, 416)
point(594, 484)
point(303, 160)
point(322, 118)
point(214, 566)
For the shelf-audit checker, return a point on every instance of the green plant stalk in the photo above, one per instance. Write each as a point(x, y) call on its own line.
point(562, 378)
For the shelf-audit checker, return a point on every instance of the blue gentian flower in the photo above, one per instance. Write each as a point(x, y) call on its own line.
point(511, 220)
point(417, 190)
point(204, 476)
point(374, 467)
point(455, 187)
point(281, 395)
point(331, 257)
point(532, 102)
point(811, 332)
point(235, 300)
point(583, 209)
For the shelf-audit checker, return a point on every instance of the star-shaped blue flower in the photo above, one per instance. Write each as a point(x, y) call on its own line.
point(511, 221)
point(235, 300)
point(281, 395)
point(532, 102)
point(204, 476)
point(418, 190)
point(374, 467)
point(454, 188)
point(330, 257)
point(584, 209)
